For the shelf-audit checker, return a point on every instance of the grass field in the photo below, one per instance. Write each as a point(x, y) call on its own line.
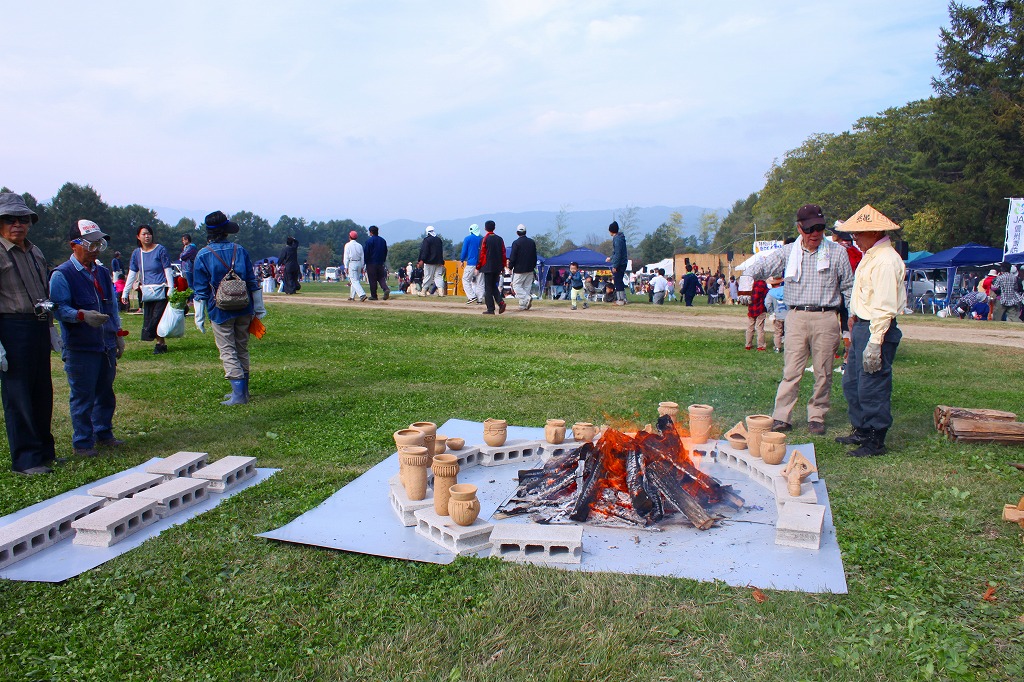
point(919, 529)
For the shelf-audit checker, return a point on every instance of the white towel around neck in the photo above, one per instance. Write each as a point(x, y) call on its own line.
point(796, 256)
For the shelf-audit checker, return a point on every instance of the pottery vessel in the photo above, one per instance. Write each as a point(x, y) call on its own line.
point(429, 430)
point(405, 439)
point(773, 447)
point(582, 431)
point(456, 443)
point(463, 505)
point(415, 461)
point(495, 432)
point(670, 408)
point(446, 472)
point(737, 441)
point(756, 425)
point(440, 444)
point(797, 469)
point(554, 431)
point(700, 423)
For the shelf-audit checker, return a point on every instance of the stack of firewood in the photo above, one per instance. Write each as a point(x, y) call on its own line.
point(978, 425)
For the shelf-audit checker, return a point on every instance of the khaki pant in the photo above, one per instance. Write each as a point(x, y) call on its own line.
point(813, 335)
point(779, 333)
point(758, 324)
point(232, 338)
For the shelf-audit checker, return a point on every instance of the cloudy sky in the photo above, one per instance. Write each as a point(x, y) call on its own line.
point(378, 109)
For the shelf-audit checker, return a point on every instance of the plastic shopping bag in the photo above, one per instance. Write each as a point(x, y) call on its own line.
point(172, 323)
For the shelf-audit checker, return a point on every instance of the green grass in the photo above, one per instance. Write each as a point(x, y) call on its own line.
point(919, 529)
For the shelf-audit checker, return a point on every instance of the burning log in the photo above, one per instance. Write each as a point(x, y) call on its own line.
point(662, 478)
point(593, 472)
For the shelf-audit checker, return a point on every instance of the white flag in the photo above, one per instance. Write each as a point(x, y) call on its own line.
point(1014, 228)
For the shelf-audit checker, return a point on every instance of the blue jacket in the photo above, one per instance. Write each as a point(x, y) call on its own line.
point(619, 251)
point(375, 250)
point(210, 271)
point(72, 288)
point(471, 249)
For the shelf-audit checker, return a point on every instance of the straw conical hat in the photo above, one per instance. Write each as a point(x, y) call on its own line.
point(868, 219)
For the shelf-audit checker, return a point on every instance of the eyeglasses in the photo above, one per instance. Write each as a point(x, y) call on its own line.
point(92, 247)
point(812, 229)
point(17, 219)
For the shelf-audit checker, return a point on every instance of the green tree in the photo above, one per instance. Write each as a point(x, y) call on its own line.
point(628, 219)
point(123, 221)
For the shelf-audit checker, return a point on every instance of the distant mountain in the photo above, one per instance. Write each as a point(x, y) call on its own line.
point(581, 223)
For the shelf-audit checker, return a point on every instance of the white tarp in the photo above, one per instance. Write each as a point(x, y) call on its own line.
point(1014, 228)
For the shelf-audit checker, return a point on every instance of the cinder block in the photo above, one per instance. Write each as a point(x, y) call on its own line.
point(175, 495)
point(115, 522)
point(227, 472)
point(511, 451)
point(127, 486)
point(37, 531)
point(536, 543)
point(450, 535)
point(179, 464)
point(402, 505)
point(549, 450)
point(799, 525)
point(468, 456)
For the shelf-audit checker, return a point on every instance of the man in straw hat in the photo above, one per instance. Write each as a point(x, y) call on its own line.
point(817, 274)
point(879, 295)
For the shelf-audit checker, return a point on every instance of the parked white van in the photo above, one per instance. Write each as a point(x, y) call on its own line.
point(332, 274)
point(927, 283)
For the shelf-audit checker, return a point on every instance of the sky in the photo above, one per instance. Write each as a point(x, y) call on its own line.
point(377, 110)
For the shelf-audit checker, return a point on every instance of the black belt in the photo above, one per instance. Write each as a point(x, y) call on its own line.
point(25, 316)
point(816, 308)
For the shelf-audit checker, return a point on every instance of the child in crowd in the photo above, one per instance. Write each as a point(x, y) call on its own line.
point(589, 290)
point(776, 306)
point(574, 282)
point(119, 283)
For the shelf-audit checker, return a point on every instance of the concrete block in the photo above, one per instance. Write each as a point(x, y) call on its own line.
point(511, 451)
point(174, 495)
point(227, 472)
point(115, 522)
point(800, 525)
point(127, 486)
point(549, 450)
point(450, 535)
point(537, 543)
point(179, 464)
point(401, 504)
point(51, 524)
point(468, 456)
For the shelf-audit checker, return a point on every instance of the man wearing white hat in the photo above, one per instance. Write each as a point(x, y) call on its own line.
point(523, 261)
point(879, 295)
point(431, 259)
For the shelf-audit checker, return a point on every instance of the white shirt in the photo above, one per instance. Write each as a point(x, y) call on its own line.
point(353, 253)
point(659, 284)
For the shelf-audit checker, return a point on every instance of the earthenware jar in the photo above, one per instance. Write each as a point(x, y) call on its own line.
point(554, 431)
point(415, 461)
point(773, 447)
point(463, 506)
point(405, 439)
point(495, 432)
point(756, 425)
point(582, 431)
point(700, 423)
point(670, 408)
point(456, 443)
point(429, 430)
point(446, 471)
point(440, 444)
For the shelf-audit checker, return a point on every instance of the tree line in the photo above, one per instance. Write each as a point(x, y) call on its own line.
point(941, 167)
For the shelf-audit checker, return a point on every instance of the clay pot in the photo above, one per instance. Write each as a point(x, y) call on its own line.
point(415, 461)
point(463, 505)
point(429, 430)
point(582, 431)
point(554, 431)
point(446, 471)
point(670, 408)
point(405, 439)
point(456, 443)
point(700, 423)
point(440, 444)
point(737, 441)
point(756, 425)
point(495, 432)
point(773, 447)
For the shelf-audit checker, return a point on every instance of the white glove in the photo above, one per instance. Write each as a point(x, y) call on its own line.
point(201, 315)
point(93, 318)
point(56, 343)
point(872, 360)
point(119, 346)
point(3, 358)
point(259, 309)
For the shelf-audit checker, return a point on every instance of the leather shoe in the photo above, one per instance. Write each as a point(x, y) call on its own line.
point(86, 452)
point(34, 471)
point(501, 307)
point(779, 426)
point(110, 443)
point(816, 428)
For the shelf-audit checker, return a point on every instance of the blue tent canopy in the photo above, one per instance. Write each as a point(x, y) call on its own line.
point(1015, 258)
point(917, 255)
point(967, 255)
point(588, 259)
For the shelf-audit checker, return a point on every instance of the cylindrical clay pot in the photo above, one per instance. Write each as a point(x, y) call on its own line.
point(554, 431)
point(429, 430)
point(463, 506)
point(440, 444)
point(415, 461)
point(446, 472)
point(773, 447)
point(405, 439)
point(670, 408)
point(700, 423)
point(756, 425)
point(495, 432)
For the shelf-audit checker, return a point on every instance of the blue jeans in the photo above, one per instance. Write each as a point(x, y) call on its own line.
point(91, 378)
point(869, 396)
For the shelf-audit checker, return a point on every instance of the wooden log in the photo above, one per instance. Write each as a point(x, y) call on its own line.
point(944, 415)
point(987, 431)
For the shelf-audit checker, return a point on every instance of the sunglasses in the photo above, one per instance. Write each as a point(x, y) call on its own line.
point(16, 219)
point(812, 229)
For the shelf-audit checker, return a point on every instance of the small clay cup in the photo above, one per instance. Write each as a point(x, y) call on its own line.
point(582, 431)
point(463, 505)
point(554, 431)
point(456, 443)
point(773, 447)
point(737, 441)
point(440, 444)
point(495, 432)
point(670, 408)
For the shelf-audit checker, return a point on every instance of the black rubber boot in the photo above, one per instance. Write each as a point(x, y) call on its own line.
point(873, 445)
point(856, 437)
